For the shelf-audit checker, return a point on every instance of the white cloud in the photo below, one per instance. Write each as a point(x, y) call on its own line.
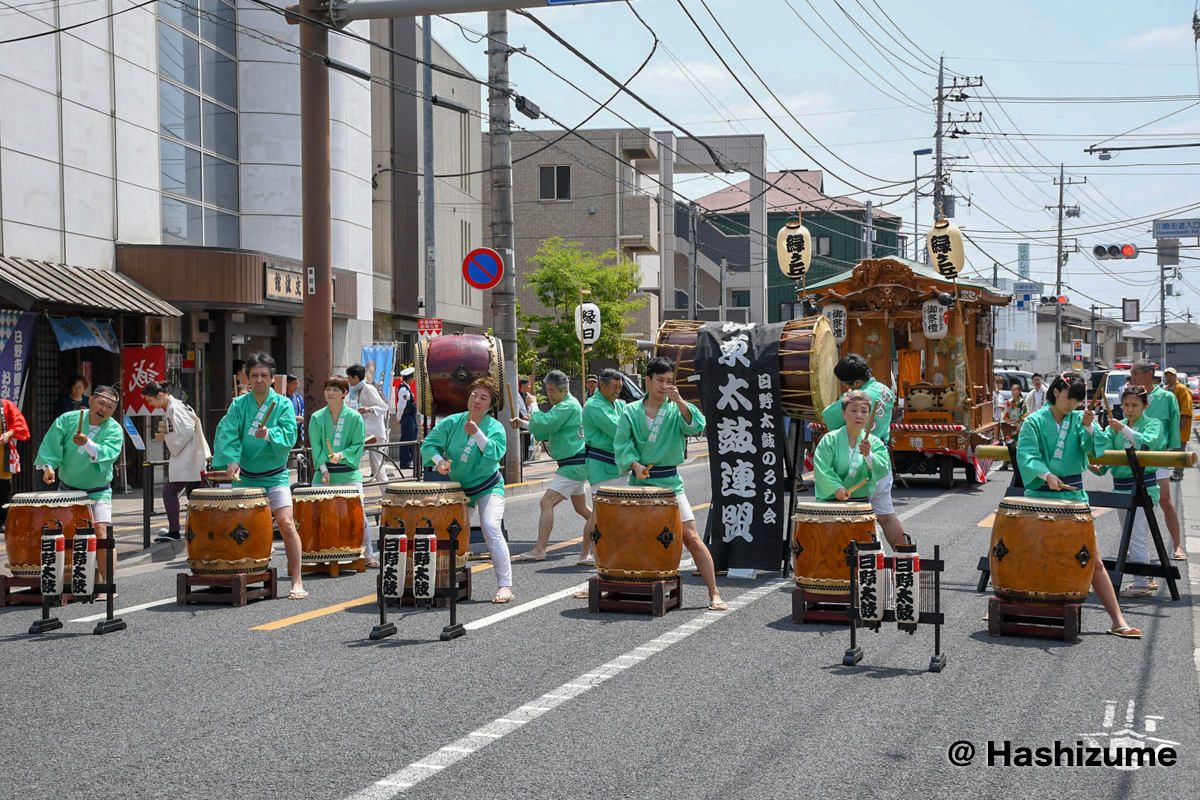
point(1178, 37)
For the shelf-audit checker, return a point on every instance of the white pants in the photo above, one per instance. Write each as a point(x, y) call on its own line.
point(685, 508)
point(490, 511)
point(1139, 543)
point(881, 498)
point(565, 486)
point(102, 511)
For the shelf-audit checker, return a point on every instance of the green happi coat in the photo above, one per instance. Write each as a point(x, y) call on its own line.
point(1148, 432)
point(1164, 407)
point(450, 441)
point(562, 429)
point(322, 428)
point(78, 469)
point(600, 419)
point(881, 396)
point(235, 442)
point(669, 447)
point(831, 466)
point(1036, 448)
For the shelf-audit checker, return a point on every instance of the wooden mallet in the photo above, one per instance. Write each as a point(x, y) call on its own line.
point(79, 428)
point(857, 486)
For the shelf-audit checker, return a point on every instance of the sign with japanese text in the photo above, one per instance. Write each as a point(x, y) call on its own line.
point(139, 366)
point(1176, 228)
point(838, 318)
point(587, 323)
point(16, 347)
point(935, 320)
point(1131, 309)
point(424, 566)
point(945, 243)
point(429, 327)
point(394, 560)
point(283, 283)
point(1022, 261)
point(793, 248)
point(740, 399)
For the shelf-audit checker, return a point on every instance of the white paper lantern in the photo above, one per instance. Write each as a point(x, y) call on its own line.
point(935, 321)
point(838, 318)
point(946, 249)
point(793, 248)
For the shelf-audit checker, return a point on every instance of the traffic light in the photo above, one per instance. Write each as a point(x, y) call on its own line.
point(1051, 300)
point(1106, 252)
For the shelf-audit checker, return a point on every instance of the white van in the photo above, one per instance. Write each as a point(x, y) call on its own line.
point(1114, 382)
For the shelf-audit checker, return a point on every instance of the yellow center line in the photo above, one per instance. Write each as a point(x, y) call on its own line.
point(371, 598)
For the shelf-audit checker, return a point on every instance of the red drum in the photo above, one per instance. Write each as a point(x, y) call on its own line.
point(30, 512)
point(447, 365)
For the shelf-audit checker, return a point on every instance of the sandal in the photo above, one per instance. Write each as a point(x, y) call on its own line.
point(1125, 633)
point(1179, 557)
point(718, 605)
point(500, 599)
point(297, 594)
point(1136, 591)
point(586, 562)
point(372, 562)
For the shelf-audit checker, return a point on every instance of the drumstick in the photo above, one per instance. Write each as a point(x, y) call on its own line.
point(270, 408)
point(79, 428)
point(858, 485)
point(328, 447)
point(511, 405)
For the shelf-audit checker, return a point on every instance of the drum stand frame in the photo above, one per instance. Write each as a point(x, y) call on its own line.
point(230, 590)
point(110, 623)
point(1118, 568)
point(655, 597)
point(935, 618)
point(455, 629)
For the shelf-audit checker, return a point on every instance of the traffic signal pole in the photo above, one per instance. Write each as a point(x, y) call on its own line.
point(1058, 278)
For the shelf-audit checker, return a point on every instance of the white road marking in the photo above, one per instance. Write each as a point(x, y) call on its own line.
point(1110, 712)
point(119, 611)
point(398, 782)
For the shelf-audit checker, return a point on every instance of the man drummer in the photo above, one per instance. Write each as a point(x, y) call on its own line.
point(854, 372)
point(652, 440)
point(562, 429)
point(79, 451)
point(1162, 406)
point(252, 444)
point(600, 418)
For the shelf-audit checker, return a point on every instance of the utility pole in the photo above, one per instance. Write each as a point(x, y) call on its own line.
point(937, 144)
point(428, 189)
point(693, 305)
point(1061, 261)
point(1162, 317)
point(316, 209)
point(504, 299)
point(869, 249)
point(725, 270)
point(1093, 345)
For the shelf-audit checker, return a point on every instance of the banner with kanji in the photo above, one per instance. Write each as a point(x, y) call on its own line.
point(17, 330)
point(739, 394)
point(139, 366)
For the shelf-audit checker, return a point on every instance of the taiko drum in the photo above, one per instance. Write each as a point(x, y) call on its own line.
point(638, 534)
point(1043, 550)
point(448, 365)
point(229, 531)
point(330, 522)
point(28, 513)
point(821, 536)
point(433, 504)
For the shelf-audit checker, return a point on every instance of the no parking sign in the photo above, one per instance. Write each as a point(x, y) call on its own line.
point(483, 268)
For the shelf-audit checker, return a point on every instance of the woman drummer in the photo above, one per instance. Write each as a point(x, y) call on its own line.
point(1052, 453)
point(850, 457)
point(1139, 430)
point(468, 447)
point(337, 435)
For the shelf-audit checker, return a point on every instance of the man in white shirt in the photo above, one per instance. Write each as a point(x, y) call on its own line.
point(1037, 396)
point(187, 450)
point(374, 413)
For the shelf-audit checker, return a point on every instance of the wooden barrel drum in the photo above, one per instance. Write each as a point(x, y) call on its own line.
point(807, 356)
point(638, 534)
point(447, 365)
point(821, 536)
point(438, 505)
point(28, 513)
point(330, 522)
point(229, 531)
point(1043, 550)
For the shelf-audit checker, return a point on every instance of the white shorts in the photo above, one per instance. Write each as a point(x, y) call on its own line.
point(685, 508)
point(102, 511)
point(1163, 473)
point(277, 496)
point(566, 487)
point(620, 480)
point(881, 498)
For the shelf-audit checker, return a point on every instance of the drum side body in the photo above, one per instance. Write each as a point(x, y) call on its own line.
point(452, 363)
point(438, 514)
point(637, 539)
point(227, 541)
point(819, 551)
point(23, 534)
point(329, 526)
point(1042, 559)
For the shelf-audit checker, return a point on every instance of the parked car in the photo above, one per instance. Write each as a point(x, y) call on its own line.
point(1193, 384)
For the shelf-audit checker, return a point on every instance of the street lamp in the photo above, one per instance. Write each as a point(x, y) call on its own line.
point(916, 196)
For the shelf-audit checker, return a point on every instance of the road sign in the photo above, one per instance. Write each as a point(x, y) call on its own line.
point(1131, 310)
point(587, 323)
point(1023, 261)
point(1028, 288)
point(483, 268)
point(1077, 347)
point(1168, 252)
point(429, 327)
point(1176, 228)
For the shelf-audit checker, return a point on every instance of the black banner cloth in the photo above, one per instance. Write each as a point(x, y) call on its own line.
point(739, 394)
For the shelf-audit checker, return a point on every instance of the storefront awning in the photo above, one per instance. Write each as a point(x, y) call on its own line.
point(28, 283)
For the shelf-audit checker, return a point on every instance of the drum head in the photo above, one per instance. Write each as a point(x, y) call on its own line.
point(423, 487)
point(823, 358)
point(50, 499)
point(497, 371)
point(636, 492)
point(321, 492)
point(1046, 504)
point(248, 493)
point(818, 507)
point(920, 400)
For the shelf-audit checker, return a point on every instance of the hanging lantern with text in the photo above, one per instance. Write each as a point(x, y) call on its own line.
point(935, 323)
point(946, 249)
point(793, 247)
point(838, 318)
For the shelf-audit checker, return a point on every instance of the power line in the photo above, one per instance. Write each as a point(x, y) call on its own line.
point(76, 25)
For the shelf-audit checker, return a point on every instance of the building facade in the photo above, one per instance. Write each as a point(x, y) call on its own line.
point(1110, 345)
point(1183, 346)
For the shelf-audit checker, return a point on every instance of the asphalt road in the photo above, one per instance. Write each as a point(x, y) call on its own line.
point(543, 700)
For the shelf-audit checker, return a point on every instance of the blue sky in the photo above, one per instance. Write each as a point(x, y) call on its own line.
point(1022, 49)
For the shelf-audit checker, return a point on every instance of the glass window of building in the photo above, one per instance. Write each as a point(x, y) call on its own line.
point(179, 112)
point(182, 223)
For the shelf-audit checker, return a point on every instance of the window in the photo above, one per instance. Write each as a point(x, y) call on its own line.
point(220, 182)
point(1170, 349)
point(178, 15)
point(212, 30)
point(219, 73)
point(178, 56)
point(181, 222)
point(220, 229)
point(179, 112)
point(220, 129)
point(741, 298)
point(786, 311)
point(555, 183)
point(180, 169)
point(822, 245)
